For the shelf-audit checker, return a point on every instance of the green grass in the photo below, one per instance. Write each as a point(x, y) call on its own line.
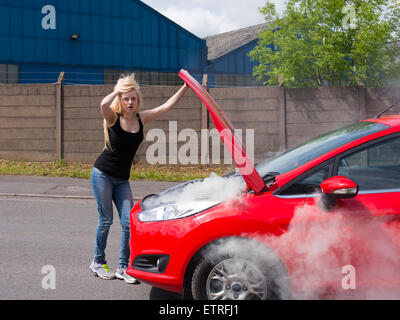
point(62, 168)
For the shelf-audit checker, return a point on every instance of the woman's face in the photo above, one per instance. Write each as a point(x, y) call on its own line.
point(129, 102)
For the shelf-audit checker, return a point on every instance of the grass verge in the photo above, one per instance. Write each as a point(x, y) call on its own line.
point(62, 168)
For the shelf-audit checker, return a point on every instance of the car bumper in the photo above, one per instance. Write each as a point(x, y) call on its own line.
point(161, 251)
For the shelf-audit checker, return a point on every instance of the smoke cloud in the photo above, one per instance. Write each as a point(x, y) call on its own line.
point(318, 245)
point(213, 188)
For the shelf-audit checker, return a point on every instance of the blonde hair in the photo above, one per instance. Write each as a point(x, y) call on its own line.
point(126, 83)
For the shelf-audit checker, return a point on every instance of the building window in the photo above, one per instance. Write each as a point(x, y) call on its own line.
point(9, 74)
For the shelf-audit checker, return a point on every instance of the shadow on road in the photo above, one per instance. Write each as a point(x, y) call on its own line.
point(159, 294)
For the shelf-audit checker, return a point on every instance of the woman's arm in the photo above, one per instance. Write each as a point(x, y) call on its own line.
point(108, 114)
point(152, 114)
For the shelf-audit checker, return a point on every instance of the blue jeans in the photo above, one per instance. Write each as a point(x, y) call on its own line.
point(107, 190)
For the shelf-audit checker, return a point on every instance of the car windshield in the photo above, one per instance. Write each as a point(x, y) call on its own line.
point(318, 146)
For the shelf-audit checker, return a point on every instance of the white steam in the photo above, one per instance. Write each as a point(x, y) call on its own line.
point(213, 189)
point(318, 245)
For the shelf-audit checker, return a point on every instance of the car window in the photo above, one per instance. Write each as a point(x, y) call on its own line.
point(309, 184)
point(374, 168)
point(318, 146)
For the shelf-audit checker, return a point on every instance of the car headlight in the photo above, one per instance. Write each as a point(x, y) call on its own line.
point(175, 211)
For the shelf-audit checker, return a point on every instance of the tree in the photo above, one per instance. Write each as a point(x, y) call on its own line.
point(330, 42)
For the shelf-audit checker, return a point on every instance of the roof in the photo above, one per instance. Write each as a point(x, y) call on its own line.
point(154, 11)
point(220, 44)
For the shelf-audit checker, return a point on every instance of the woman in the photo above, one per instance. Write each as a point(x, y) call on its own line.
point(123, 131)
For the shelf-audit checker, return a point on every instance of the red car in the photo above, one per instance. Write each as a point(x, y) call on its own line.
point(320, 220)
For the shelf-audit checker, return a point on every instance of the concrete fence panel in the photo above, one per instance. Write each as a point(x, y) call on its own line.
point(45, 122)
point(27, 122)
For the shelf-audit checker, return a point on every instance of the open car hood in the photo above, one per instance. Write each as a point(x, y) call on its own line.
point(226, 130)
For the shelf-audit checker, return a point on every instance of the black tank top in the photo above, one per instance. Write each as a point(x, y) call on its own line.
point(116, 160)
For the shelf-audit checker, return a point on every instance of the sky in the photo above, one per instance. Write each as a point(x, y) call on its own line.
point(209, 17)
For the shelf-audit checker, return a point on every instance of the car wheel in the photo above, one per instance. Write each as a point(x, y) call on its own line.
point(231, 275)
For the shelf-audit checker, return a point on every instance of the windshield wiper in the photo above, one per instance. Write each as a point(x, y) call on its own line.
point(270, 176)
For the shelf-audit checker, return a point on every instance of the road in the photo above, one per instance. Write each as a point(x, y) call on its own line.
point(40, 232)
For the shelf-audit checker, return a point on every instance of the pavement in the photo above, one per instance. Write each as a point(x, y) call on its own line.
point(68, 188)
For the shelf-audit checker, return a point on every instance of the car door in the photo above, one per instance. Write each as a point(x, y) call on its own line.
point(311, 237)
point(374, 214)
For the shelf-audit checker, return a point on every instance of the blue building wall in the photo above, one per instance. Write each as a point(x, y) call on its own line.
point(113, 34)
point(235, 66)
point(236, 63)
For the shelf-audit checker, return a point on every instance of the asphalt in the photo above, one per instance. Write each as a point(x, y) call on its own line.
point(68, 188)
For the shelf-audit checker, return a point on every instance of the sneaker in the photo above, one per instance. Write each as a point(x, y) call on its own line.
point(101, 270)
point(122, 275)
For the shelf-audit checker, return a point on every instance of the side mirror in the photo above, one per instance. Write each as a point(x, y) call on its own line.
point(337, 187)
point(340, 187)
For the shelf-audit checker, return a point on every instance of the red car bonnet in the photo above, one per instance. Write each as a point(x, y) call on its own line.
point(228, 135)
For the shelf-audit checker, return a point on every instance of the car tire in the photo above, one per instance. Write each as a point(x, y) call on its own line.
point(239, 270)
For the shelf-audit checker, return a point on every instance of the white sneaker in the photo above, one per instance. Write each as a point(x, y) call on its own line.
point(101, 270)
point(122, 275)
